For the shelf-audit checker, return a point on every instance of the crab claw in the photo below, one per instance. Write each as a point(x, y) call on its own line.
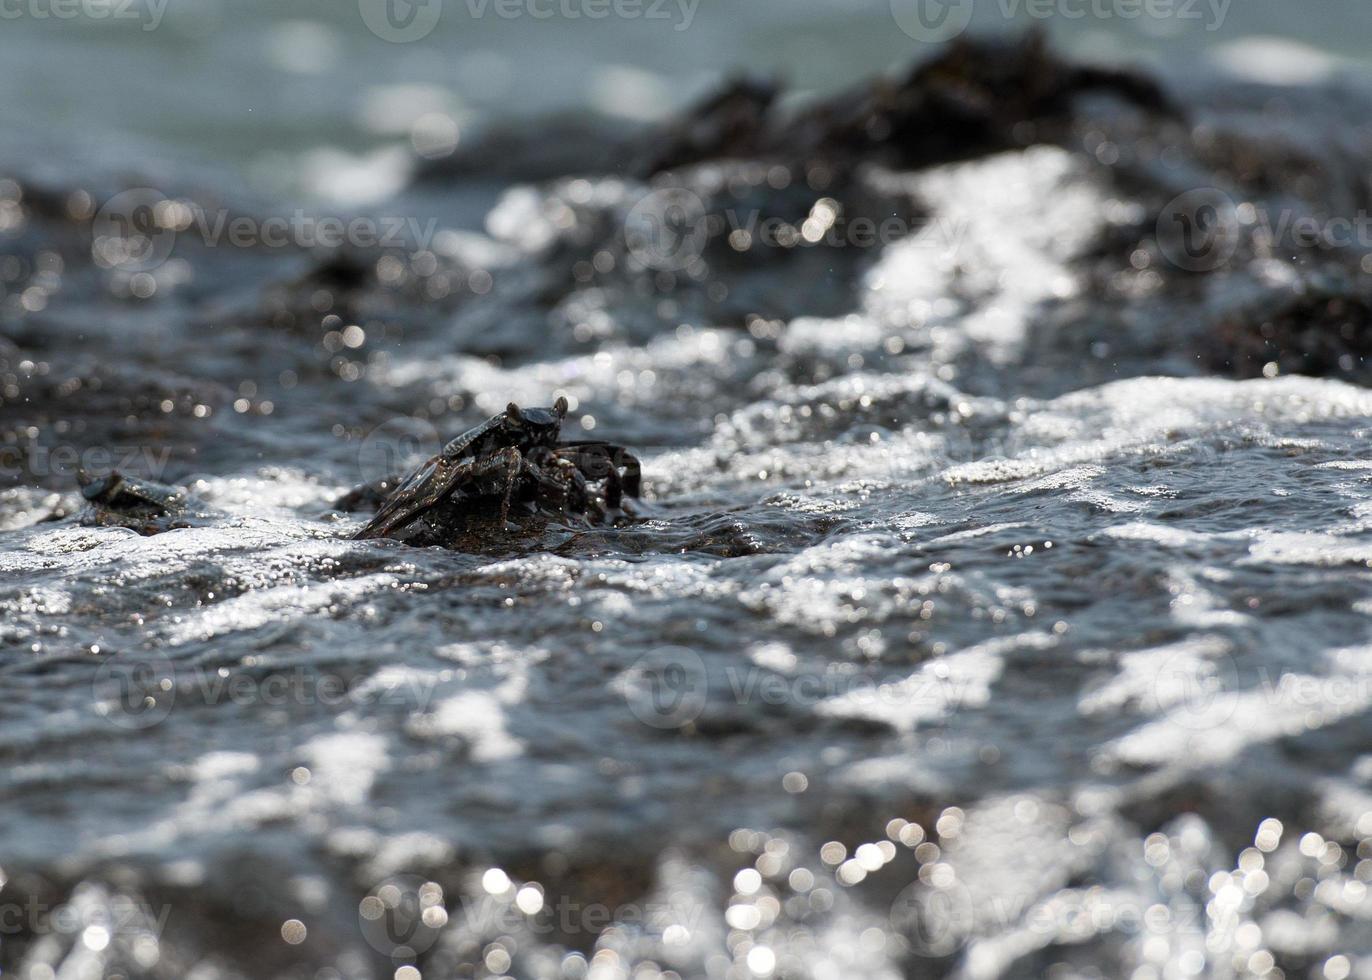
point(560, 406)
point(513, 413)
point(95, 487)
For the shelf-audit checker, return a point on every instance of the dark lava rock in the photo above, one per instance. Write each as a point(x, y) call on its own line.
point(976, 97)
point(1318, 333)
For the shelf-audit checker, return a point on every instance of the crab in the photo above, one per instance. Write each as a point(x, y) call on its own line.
point(514, 459)
point(116, 500)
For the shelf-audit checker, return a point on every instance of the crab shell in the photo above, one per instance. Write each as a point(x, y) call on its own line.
point(107, 490)
point(515, 428)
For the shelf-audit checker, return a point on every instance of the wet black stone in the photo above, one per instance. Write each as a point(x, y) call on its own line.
point(1318, 333)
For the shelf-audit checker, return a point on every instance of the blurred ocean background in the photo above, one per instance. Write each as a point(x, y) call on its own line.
point(301, 96)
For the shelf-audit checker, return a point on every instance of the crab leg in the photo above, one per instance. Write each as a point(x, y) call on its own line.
point(437, 480)
point(612, 456)
point(514, 463)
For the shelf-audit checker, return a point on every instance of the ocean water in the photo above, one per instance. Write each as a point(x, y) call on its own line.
point(1001, 603)
point(296, 96)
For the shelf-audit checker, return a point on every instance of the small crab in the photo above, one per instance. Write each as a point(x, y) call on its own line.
point(514, 458)
point(149, 508)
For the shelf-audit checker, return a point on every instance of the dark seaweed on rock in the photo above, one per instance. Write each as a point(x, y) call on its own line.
point(728, 123)
point(554, 147)
point(751, 162)
point(974, 98)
